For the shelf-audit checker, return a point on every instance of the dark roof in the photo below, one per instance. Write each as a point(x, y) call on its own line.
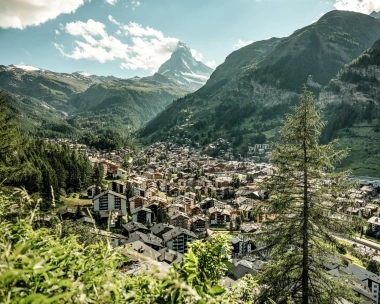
point(132, 226)
point(141, 248)
point(170, 256)
point(160, 227)
point(361, 273)
point(141, 209)
point(176, 232)
point(110, 192)
point(148, 239)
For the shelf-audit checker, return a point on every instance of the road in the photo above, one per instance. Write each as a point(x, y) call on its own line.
point(364, 247)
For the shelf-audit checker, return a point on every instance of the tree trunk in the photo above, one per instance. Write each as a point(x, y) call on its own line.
point(305, 240)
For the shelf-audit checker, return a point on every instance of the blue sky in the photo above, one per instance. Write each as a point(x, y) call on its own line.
point(126, 38)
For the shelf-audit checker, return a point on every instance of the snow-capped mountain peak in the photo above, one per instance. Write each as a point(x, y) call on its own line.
point(184, 69)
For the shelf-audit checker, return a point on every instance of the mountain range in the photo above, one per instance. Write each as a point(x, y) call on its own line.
point(247, 96)
point(243, 101)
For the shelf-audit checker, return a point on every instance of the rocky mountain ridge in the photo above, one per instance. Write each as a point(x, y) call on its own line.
point(184, 69)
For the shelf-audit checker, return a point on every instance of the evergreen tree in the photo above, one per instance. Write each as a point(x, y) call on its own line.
point(373, 266)
point(97, 178)
point(238, 222)
point(162, 216)
point(10, 142)
point(305, 209)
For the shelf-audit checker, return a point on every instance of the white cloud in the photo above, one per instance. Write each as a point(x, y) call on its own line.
point(112, 19)
point(198, 56)
point(135, 4)
point(361, 6)
point(135, 29)
point(57, 32)
point(241, 43)
point(146, 47)
point(22, 13)
point(112, 2)
point(211, 63)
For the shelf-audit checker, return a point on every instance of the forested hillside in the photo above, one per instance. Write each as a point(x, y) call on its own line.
point(248, 95)
point(53, 104)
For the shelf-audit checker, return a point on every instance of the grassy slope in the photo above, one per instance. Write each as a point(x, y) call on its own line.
point(363, 142)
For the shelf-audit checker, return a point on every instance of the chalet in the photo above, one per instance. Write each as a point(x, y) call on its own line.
point(161, 228)
point(110, 200)
point(177, 239)
point(119, 173)
point(198, 223)
point(222, 181)
point(244, 267)
point(374, 224)
point(371, 280)
point(93, 190)
point(186, 202)
point(136, 202)
point(148, 239)
point(180, 219)
point(115, 239)
point(86, 221)
point(170, 256)
point(219, 216)
point(138, 183)
point(138, 248)
point(241, 246)
point(112, 218)
point(131, 227)
point(142, 215)
point(196, 210)
point(174, 208)
point(117, 186)
point(207, 203)
point(66, 214)
point(149, 192)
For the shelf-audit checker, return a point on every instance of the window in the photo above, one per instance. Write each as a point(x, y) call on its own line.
point(117, 203)
point(103, 202)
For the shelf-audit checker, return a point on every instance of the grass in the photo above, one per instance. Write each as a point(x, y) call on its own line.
point(348, 254)
point(364, 156)
point(75, 201)
point(354, 259)
point(230, 266)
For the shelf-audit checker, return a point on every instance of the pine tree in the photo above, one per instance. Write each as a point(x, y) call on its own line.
point(162, 216)
point(10, 142)
point(307, 206)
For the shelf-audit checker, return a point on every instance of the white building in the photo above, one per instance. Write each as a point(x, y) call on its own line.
point(110, 200)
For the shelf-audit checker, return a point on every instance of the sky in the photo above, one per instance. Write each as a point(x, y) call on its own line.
point(128, 38)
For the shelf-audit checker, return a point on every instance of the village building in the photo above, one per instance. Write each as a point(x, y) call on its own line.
point(178, 238)
point(142, 215)
point(110, 200)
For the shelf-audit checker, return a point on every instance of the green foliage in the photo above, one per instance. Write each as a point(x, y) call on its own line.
point(10, 142)
point(48, 168)
point(373, 266)
point(39, 267)
point(304, 203)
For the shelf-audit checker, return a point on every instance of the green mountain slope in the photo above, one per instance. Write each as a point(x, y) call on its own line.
point(245, 99)
point(60, 104)
point(351, 103)
point(125, 104)
point(320, 49)
point(53, 89)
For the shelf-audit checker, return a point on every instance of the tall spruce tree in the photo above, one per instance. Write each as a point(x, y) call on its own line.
point(10, 142)
point(307, 207)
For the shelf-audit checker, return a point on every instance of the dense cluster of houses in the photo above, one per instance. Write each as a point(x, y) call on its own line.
point(171, 195)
